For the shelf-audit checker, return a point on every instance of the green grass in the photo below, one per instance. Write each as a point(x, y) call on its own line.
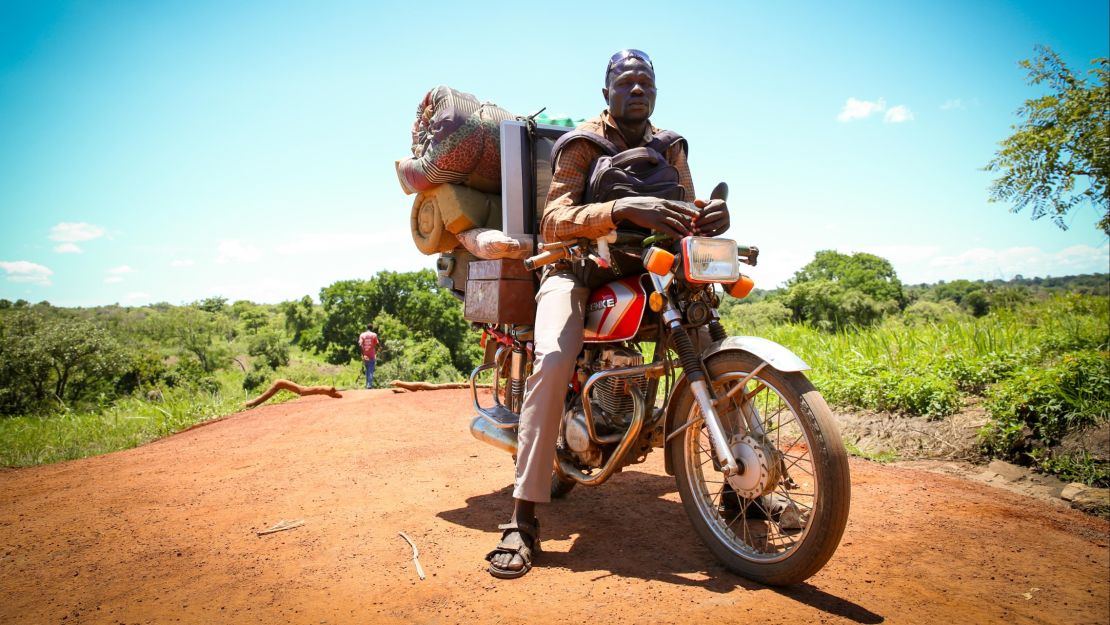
point(1076, 467)
point(1042, 369)
point(926, 369)
point(31, 440)
point(881, 457)
point(132, 421)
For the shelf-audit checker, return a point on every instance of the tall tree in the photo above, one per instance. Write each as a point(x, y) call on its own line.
point(837, 290)
point(1059, 155)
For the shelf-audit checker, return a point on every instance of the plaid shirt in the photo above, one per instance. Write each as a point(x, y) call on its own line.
point(564, 217)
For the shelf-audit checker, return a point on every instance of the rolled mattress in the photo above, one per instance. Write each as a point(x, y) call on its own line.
point(441, 212)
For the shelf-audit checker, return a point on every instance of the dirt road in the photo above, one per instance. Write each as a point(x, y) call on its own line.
point(165, 533)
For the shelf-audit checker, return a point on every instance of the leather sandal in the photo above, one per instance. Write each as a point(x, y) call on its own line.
point(525, 543)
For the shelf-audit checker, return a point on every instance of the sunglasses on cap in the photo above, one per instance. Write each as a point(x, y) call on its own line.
point(628, 53)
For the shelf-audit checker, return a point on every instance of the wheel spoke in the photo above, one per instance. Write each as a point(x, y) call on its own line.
point(768, 405)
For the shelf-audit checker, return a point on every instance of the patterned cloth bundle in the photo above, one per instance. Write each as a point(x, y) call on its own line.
point(455, 139)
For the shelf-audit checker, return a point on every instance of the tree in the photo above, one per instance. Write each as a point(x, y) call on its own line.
point(199, 333)
point(413, 298)
point(271, 348)
point(300, 315)
point(212, 304)
point(1059, 155)
point(408, 355)
point(46, 356)
point(837, 290)
point(254, 320)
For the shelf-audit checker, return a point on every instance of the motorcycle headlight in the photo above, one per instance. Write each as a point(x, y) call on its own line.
point(710, 260)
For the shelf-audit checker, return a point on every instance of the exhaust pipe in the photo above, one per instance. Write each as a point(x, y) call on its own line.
point(501, 438)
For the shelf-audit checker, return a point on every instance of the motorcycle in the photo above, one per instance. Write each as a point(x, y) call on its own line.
point(759, 464)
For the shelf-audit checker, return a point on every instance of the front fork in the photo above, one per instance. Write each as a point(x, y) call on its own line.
point(699, 384)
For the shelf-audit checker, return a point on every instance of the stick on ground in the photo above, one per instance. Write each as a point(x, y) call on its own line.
point(415, 554)
point(428, 386)
point(281, 526)
point(286, 385)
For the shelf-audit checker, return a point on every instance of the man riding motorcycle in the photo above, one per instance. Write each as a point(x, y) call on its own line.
point(570, 214)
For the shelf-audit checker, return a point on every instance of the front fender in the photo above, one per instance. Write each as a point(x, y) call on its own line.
point(776, 356)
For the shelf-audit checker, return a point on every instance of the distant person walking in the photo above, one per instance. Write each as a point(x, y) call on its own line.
point(368, 345)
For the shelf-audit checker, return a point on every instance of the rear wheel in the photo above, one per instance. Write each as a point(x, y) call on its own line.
point(560, 487)
point(781, 519)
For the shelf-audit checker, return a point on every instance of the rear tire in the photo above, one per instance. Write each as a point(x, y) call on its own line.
point(813, 484)
point(560, 487)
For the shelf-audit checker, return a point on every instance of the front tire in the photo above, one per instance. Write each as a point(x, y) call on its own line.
point(790, 531)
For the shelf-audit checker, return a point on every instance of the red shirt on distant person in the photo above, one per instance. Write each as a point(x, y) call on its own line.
point(368, 343)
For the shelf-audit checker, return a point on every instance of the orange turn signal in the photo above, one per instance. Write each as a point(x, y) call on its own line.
point(741, 287)
point(658, 261)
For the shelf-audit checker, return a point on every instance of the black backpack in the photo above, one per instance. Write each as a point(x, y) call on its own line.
point(642, 171)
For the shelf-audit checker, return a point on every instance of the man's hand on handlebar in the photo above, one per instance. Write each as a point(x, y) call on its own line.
point(665, 216)
point(713, 219)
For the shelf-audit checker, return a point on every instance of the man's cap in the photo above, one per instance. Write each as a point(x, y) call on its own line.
point(627, 53)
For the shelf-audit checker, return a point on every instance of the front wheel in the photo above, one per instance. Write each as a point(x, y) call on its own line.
point(781, 519)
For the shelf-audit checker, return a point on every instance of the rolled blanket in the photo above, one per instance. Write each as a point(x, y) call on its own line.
point(492, 244)
point(441, 212)
point(457, 139)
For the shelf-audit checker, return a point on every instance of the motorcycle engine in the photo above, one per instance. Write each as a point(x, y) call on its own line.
point(612, 406)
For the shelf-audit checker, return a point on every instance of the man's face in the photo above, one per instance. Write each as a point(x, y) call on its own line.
point(631, 90)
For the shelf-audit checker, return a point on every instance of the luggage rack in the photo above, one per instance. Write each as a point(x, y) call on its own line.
point(499, 415)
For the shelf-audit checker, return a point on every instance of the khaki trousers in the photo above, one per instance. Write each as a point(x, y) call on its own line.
point(560, 319)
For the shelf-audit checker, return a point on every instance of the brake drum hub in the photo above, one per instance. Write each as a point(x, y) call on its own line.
point(760, 468)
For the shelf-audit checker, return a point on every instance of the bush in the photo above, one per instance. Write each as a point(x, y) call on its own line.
point(759, 314)
point(867, 385)
point(271, 348)
point(977, 303)
point(1073, 467)
point(424, 360)
point(973, 373)
point(257, 377)
point(1039, 405)
point(924, 311)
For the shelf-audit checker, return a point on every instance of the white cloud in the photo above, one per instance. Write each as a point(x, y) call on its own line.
point(236, 251)
point(953, 104)
point(67, 248)
point(898, 114)
point(860, 109)
point(136, 295)
point(988, 264)
point(304, 261)
point(184, 262)
point(26, 271)
point(317, 242)
point(903, 254)
point(116, 274)
point(70, 232)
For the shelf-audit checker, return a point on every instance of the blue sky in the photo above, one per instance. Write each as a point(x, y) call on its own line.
point(170, 151)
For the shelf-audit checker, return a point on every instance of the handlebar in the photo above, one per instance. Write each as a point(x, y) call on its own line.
point(545, 258)
point(553, 252)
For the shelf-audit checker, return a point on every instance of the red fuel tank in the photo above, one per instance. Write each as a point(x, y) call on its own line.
point(614, 311)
